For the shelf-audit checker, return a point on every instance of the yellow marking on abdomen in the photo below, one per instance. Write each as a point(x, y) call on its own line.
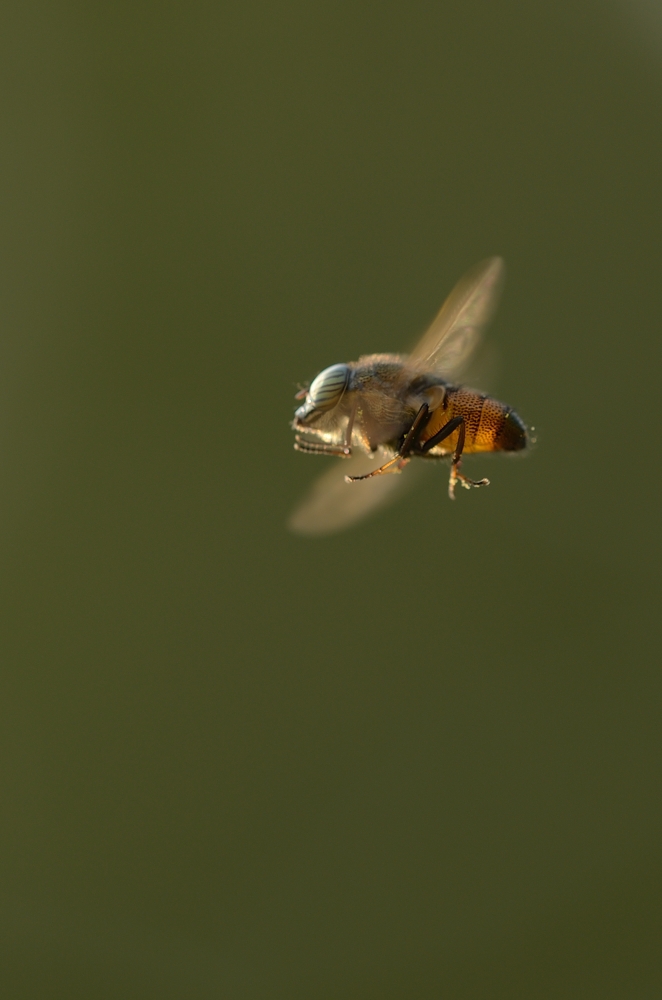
point(483, 420)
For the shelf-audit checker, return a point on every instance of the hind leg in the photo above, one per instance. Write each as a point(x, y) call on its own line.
point(456, 476)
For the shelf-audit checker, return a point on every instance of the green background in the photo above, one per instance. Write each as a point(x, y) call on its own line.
point(420, 759)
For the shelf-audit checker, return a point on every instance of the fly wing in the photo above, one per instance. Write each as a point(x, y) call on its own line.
point(457, 328)
point(333, 504)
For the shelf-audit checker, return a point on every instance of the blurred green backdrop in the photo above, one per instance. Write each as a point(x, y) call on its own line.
point(420, 759)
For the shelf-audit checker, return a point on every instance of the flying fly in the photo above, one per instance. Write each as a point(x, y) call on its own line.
point(382, 411)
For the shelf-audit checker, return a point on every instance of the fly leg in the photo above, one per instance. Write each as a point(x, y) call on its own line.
point(348, 431)
point(456, 476)
point(320, 447)
point(445, 432)
point(398, 463)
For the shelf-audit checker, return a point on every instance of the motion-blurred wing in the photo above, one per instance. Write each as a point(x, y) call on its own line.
point(457, 329)
point(332, 504)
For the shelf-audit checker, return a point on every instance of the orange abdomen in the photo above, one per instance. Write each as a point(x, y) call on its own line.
point(489, 425)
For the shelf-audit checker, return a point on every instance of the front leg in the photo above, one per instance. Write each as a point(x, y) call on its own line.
point(320, 447)
point(344, 450)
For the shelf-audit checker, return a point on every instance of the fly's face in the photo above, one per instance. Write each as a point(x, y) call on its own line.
point(363, 404)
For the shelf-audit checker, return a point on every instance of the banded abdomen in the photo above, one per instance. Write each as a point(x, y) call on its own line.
point(489, 425)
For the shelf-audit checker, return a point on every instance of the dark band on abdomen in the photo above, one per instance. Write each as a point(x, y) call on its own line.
point(512, 435)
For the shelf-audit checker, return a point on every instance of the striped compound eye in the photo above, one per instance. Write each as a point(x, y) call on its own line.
point(327, 388)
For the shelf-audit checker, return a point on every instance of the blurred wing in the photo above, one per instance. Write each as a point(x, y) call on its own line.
point(457, 329)
point(332, 504)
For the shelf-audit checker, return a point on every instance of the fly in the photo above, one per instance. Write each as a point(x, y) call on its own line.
point(401, 407)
